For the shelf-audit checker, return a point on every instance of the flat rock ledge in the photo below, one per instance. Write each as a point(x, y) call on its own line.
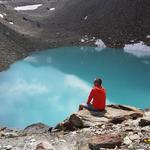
point(118, 127)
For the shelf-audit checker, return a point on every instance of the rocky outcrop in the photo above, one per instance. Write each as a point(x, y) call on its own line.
point(118, 127)
point(115, 114)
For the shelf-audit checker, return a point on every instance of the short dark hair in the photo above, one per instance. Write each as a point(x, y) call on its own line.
point(98, 80)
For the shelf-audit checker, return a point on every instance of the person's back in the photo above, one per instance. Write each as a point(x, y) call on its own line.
point(97, 97)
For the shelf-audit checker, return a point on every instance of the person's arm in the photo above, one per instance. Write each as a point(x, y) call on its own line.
point(90, 97)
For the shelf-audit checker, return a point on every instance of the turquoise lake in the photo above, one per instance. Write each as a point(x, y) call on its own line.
point(47, 86)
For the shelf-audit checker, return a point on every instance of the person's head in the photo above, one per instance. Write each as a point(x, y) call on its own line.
point(98, 82)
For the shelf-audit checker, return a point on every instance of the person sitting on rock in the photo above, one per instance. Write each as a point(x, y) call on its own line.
point(97, 98)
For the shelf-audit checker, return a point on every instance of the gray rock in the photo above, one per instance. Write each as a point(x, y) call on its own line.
point(76, 121)
point(145, 121)
point(7, 147)
point(134, 137)
point(83, 130)
point(113, 111)
point(10, 134)
point(127, 140)
point(36, 128)
point(44, 145)
point(65, 126)
point(105, 141)
point(113, 114)
point(118, 119)
point(2, 128)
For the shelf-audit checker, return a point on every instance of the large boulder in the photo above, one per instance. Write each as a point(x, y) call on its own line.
point(114, 113)
point(124, 111)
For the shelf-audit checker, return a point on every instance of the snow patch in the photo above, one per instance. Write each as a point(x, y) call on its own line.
point(11, 23)
point(132, 41)
point(93, 39)
point(28, 7)
point(31, 59)
point(85, 18)
point(51, 9)
point(99, 43)
point(137, 49)
point(86, 39)
point(2, 16)
point(148, 36)
point(82, 40)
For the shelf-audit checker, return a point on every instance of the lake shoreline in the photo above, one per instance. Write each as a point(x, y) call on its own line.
point(5, 64)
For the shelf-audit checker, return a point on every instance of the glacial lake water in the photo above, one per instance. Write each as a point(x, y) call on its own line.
point(47, 86)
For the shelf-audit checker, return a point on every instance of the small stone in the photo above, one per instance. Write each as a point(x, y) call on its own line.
point(32, 140)
point(103, 126)
point(147, 113)
point(2, 128)
point(62, 141)
point(131, 122)
point(7, 147)
point(145, 129)
point(145, 121)
point(128, 129)
point(135, 122)
point(134, 137)
point(76, 121)
point(105, 141)
point(44, 146)
point(73, 133)
point(98, 132)
point(118, 119)
point(127, 140)
point(130, 146)
point(140, 134)
point(10, 135)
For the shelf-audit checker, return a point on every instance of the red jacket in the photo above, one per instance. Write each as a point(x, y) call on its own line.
point(97, 97)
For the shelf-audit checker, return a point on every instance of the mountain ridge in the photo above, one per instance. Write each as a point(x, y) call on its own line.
point(115, 22)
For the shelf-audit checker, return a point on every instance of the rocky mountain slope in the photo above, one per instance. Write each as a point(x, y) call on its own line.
point(118, 127)
point(70, 22)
